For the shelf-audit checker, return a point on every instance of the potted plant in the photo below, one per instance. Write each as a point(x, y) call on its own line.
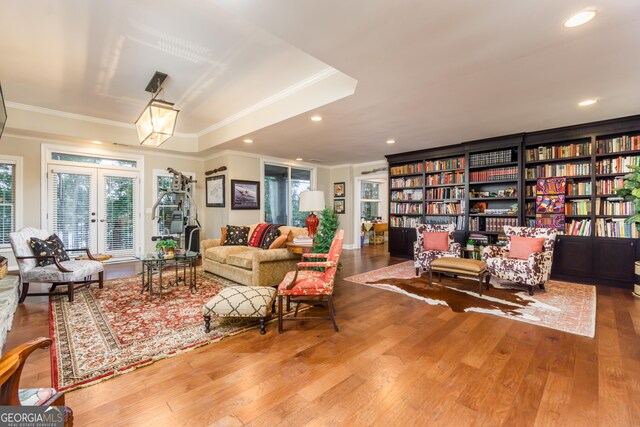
point(631, 193)
point(470, 244)
point(167, 247)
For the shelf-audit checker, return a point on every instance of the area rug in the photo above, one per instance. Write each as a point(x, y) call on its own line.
point(107, 332)
point(568, 307)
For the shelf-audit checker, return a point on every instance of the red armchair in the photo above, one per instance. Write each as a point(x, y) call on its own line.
point(311, 285)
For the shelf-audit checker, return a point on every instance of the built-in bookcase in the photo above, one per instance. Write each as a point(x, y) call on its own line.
point(445, 191)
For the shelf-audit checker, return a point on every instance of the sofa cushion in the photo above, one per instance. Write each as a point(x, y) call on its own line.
point(237, 236)
point(242, 260)
point(220, 253)
point(280, 242)
point(293, 232)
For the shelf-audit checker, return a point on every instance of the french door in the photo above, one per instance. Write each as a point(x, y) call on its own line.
point(94, 208)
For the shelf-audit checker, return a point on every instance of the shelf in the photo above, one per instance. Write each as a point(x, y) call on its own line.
point(493, 233)
point(444, 200)
point(407, 214)
point(491, 199)
point(604, 196)
point(444, 185)
point(577, 216)
point(566, 197)
point(559, 160)
point(442, 171)
point(613, 216)
point(619, 154)
point(497, 165)
point(402, 175)
point(495, 215)
point(611, 175)
point(406, 201)
point(406, 188)
point(443, 214)
point(568, 177)
point(494, 182)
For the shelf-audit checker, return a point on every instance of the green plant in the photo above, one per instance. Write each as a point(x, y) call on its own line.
point(326, 231)
point(166, 244)
point(631, 193)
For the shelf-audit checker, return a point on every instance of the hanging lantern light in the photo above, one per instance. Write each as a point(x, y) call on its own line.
point(157, 122)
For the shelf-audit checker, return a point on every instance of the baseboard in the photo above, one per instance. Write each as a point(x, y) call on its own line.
point(352, 246)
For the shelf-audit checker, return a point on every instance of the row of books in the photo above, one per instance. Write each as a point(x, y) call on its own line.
point(479, 239)
point(616, 145)
point(415, 181)
point(617, 164)
point(406, 195)
point(405, 208)
point(446, 178)
point(578, 189)
point(491, 224)
point(458, 221)
point(616, 227)
point(613, 206)
point(578, 207)
point(577, 169)
point(407, 169)
point(497, 174)
point(608, 186)
point(439, 208)
point(578, 228)
point(560, 152)
point(404, 221)
point(445, 193)
point(492, 158)
point(444, 164)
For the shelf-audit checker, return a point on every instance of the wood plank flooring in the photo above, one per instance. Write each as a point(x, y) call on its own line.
point(395, 361)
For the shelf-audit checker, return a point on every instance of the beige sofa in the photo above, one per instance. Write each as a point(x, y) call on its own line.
point(248, 265)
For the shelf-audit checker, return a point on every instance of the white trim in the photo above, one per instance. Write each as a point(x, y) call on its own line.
point(356, 202)
point(327, 72)
point(18, 161)
point(352, 246)
point(355, 165)
point(74, 116)
point(270, 159)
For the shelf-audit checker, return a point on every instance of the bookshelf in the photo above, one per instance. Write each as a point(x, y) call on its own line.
point(445, 180)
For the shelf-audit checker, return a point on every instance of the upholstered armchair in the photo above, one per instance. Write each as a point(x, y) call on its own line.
point(530, 272)
point(306, 284)
point(73, 274)
point(423, 258)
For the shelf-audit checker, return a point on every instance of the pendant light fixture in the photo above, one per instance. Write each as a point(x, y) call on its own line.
point(157, 122)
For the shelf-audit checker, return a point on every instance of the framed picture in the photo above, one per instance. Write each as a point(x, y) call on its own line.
point(338, 189)
point(215, 191)
point(338, 206)
point(245, 194)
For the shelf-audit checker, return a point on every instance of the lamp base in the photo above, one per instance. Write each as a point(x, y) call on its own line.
point(312, 224)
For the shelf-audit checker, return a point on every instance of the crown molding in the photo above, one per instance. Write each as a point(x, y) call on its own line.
point(328, 72)
point(355, 165)
point(288, 162)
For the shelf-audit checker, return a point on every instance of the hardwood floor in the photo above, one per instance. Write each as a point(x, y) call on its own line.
point(395, 361)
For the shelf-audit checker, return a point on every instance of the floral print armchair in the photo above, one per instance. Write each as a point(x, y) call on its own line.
point(423, 258)
point(530, 272)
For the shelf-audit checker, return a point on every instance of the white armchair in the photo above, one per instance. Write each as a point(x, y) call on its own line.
point(74, 274)
point(531, 272)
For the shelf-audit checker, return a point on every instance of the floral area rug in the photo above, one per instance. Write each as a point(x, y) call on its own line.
point(110, 331)
point(568, 307)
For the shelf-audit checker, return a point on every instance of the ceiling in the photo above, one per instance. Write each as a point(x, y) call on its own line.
point(428, 73)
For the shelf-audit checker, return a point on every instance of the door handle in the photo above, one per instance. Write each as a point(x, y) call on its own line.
point(102, 220)
point(93, 220)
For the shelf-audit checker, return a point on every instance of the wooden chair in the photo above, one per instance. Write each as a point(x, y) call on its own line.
point(11, 366)
point(305, 285)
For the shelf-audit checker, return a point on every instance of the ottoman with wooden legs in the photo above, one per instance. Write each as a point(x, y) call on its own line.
point(240, 301)
point(461, 267)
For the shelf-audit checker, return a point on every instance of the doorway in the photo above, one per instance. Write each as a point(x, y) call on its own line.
point(371, 197)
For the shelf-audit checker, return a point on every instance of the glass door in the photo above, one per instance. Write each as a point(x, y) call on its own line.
point(117, 212)
point(283, 185)
point(73, 211)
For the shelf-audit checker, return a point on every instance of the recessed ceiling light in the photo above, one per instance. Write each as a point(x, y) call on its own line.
point(580, 18)
point(96, 142)
point(316, 118)
point(299, 159)
point(391, 141)
point(248, 141)
point(587, 102)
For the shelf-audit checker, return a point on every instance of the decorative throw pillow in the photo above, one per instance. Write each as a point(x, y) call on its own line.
point(270, 236)
point(280, 242)
point(51, 246)
point(256, 235)
point(522, 247)
point(223, 235)
point(237, 235)
point(437, 241)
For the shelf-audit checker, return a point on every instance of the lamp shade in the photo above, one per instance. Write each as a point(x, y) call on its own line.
point(156, 123)
point(311, 201)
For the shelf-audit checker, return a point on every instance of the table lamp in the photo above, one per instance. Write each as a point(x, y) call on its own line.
point(312, 201)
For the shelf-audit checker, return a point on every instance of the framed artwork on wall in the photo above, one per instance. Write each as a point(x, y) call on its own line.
point(338, 206)
point(338, 189)
point(215, 191)
point(245, 194)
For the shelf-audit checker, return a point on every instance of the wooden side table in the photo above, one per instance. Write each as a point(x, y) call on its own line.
point(299, 249)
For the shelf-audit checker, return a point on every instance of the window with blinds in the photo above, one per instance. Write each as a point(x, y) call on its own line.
point(71, 197)
point(7, 201)
point(120, 213)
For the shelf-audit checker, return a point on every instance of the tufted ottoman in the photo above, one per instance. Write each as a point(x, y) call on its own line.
point(240, 301)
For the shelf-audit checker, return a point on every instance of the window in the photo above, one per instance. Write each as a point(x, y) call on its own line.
point(7, 200)
point(103, 161)
point(369, 200)
point(168, 204)
point(282, 188)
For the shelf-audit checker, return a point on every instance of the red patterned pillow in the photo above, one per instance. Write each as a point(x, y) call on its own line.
point(522, 247)
point(438, 241)
point(263, 235)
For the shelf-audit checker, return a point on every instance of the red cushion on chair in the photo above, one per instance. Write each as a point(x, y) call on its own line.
point(522, 247)
point(438, 241)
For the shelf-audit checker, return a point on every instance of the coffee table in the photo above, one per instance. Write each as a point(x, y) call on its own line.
point(157, 263)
